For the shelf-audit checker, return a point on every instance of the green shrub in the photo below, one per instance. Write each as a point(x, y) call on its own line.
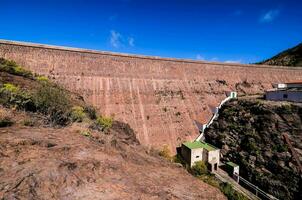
point(249, 144)
point(178, 159)
point(199, 168)
point(77, 114)
point(11, 67)
point(28, 122)
point(231, 194)
point(104, 122)
point(42, 79)
point(91, 112)
point(86, 133)
point(8, 87)
point(165, 152)
point(209, 179)
point(229, 112)
point(280, 148)
point(5, 121)
point(53, 101)
point(11, 95)
point(285, 109)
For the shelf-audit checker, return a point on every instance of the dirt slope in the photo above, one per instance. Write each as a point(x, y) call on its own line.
point(46, 163)
point(88, 156)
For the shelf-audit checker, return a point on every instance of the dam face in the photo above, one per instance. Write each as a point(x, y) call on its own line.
point(158, 97)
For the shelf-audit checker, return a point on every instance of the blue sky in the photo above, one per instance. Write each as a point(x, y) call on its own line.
point(243, 31)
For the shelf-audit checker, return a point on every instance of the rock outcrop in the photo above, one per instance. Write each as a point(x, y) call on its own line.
point(250, 133)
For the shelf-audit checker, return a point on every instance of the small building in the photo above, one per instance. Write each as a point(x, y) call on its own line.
point(201, 151)
point(291, 91)
point(233, 170)
point(232, 94)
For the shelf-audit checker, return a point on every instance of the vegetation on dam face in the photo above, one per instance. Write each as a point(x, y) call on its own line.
point(250, 133)
point(55, 146)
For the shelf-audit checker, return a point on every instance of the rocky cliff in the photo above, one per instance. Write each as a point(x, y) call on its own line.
point(158, 97)
point(250, 133)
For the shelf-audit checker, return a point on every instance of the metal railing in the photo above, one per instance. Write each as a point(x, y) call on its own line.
point(236, 186)
point(254, 189)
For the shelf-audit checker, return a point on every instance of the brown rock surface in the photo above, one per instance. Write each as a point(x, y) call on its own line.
point(46, 163)
point(159, 98)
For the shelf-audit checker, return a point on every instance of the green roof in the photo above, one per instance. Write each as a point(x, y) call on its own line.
point(232, 164)
point(198, 144)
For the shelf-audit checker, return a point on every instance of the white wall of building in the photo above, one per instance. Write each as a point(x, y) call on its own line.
point(214, 157)
point(236, 170)
point(202, 154)
point(196, 155)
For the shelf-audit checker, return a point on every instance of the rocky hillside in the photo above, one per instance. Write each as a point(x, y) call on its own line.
point(289, 57)
point(249, 132)
point(54, 146)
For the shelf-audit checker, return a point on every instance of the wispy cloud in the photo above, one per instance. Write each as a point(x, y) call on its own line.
point(199, 57)
point(131, 41)
point(115, 39)
point(216, 59)
point(269, 16)
point(205, 58)
point(233, 61)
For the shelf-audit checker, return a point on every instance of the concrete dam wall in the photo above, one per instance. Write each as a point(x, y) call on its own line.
point(158, 97)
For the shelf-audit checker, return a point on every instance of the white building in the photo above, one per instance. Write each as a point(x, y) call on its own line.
point(291, 91)
point(233, 170)
point(200, 151)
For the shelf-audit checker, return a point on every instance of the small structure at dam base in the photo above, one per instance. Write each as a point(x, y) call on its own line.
point(233, 170)
point(195, 151)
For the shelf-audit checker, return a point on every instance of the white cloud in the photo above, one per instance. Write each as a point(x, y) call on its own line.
point(232, 61)
point(118, 40)
point(115, 39)
point(131, 41)
point(216, 59)
point(199, 57)
point(269, 16)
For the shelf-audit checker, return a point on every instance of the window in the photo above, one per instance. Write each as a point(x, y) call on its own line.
point(197, 156)
point(285, 96)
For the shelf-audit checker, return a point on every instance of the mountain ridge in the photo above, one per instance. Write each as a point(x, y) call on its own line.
point(290, 57)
